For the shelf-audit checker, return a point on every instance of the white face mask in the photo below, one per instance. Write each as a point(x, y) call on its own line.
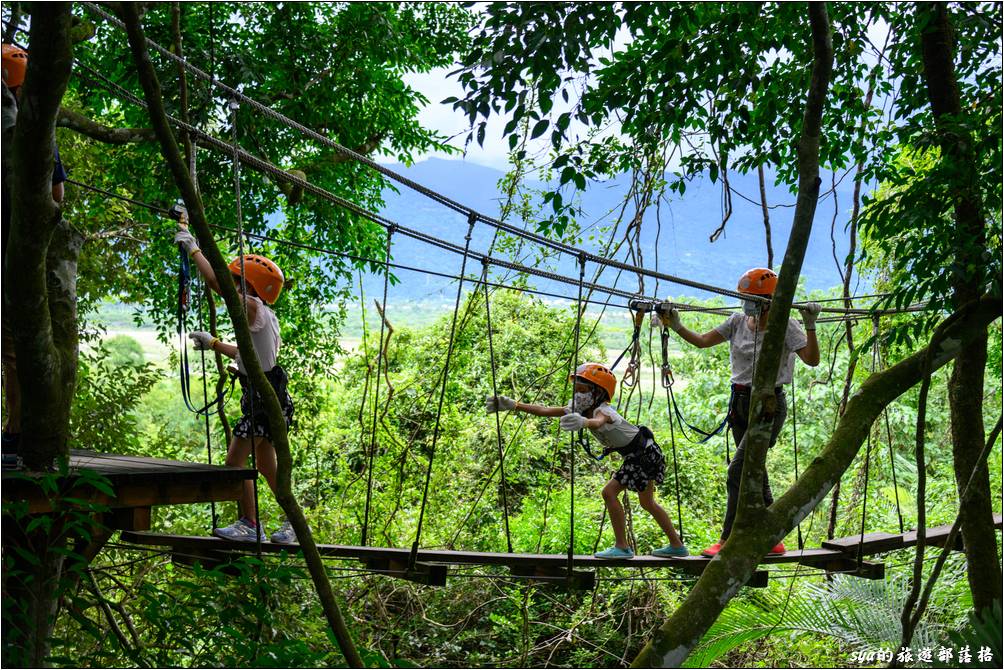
point(751, 308)
point(582, 401)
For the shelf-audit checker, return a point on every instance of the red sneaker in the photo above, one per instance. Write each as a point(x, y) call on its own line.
point(778, 550)
point(712, 550)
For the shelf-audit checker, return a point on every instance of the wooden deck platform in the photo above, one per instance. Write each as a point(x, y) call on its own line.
point(139, 483)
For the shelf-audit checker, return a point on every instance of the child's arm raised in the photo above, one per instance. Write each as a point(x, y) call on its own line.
point(540, 410)
point(503, 404)
point(185, 238)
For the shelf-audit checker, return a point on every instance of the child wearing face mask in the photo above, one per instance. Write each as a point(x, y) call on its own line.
point(644, 465)
point(744, 333)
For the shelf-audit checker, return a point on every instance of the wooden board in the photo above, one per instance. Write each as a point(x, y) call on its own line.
point(138, 481)
point(938, 535)
point(870, 543)
point(691, 564)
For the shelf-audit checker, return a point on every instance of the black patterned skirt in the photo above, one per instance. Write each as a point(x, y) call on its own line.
point(258, 420)
point(643, 465)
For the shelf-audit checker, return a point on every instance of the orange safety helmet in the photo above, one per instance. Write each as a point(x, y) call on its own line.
point(600, 375)
point(758, 281)
point(15, 64)
point(264, 276)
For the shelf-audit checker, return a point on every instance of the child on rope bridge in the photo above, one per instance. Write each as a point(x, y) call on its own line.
point(264, 281)
point(644, 465)
point(744, 333)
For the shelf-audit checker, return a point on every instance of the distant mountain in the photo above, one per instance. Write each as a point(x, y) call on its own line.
point(683, 248)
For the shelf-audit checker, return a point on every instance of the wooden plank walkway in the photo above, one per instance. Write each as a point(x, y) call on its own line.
point(138, 482)
point(839, 552)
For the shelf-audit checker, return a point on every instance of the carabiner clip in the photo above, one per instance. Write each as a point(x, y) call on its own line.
point(667, 376)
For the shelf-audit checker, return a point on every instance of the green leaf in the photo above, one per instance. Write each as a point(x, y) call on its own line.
point(539, 128)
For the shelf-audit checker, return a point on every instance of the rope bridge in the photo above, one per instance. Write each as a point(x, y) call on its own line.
point(428, 565)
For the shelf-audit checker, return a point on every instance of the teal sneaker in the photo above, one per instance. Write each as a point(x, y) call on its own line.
point(614, 552)
point(671, 552)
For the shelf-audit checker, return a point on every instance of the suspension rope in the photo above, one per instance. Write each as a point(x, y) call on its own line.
point(794, 443)
point(638, 311)
point(868, 453)
point(434, 195)
point(184, 369)
point(376, 391)
point(877, 360)
point(667, 384)
point(205, 401)
point(285, 176)
point(864, 496)
point(264, 166)
point(498, 420)
point(234, 108)
point(682, 307)
point(580, 438)
point(442, 393)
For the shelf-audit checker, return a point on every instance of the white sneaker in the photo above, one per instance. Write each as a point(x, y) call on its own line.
point(285, 534)
point(241, 530)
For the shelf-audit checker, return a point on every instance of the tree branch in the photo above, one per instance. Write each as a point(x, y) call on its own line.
point(79, 123)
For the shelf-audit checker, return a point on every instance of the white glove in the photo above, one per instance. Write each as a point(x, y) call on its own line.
point(809, 312)
point(670, 319)
point(499, 403)
point(572, 422)
point(186, 240)
point(201, 341)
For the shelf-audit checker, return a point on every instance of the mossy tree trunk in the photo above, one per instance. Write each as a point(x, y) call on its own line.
point(40, 310)
point(965, 389)
point(40, 263)
point(753, 533)
point(235, 307)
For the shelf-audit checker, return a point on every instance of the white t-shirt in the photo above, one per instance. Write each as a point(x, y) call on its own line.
point(742, 339)
point(616, 433)
point(264, 336)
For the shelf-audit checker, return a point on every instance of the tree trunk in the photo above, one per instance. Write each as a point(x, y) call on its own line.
point(40, 311)
point(756, 529)
point(39, 285)
point(965, 392)
point(235, 307)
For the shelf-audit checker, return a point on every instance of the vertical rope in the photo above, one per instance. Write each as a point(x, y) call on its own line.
point(676, 473)
point(876, 359)
point(667, 384)
point(205, 415)
point(472, 219)
point(794, 442)
point(495, 392)
point(572, 442)
point(864, 499)
point(868, 452)
point(376, 392)
point(234, 108)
